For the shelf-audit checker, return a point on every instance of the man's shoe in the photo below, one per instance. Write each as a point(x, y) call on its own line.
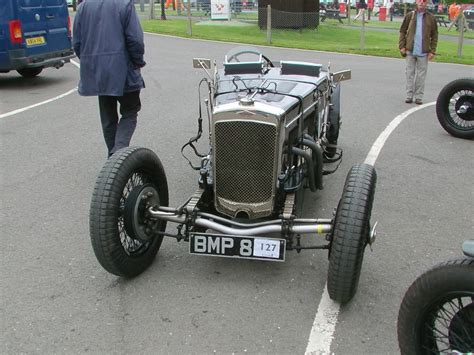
point(418, 102)
point(408, 100)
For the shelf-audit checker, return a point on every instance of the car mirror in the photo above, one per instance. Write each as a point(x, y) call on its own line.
point(201, 63)
point(341, 76)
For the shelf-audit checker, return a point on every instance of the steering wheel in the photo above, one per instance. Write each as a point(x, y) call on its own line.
point(234, 56)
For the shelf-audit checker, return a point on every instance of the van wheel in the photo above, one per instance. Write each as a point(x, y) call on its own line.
point(30, 72)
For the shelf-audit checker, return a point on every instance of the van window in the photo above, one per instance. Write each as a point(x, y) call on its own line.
point(30, 3)
point(38, 3)
point(53, 2)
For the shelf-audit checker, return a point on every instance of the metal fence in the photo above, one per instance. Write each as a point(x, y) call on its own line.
point(272, 23)
point(199, 10)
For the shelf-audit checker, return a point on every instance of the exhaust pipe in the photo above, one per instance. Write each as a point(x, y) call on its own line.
point(299, 226)
point(59, 64)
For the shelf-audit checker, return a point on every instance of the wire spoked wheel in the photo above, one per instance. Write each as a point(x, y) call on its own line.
point(124, 237)
point(455, 108)
point(136, 228)
point(449, 326)
point(437, 312)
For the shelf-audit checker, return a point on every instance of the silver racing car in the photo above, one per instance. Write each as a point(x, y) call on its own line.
point(273, 134)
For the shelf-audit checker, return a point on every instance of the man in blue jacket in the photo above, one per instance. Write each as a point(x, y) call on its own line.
point(108, 39)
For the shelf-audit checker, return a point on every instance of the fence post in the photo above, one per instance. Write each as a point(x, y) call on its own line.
point(362, 32)
point(461, 25)
point(348, 12)
point(152, 9)
point(190, 24)
point(269, 24)
point(163, 14)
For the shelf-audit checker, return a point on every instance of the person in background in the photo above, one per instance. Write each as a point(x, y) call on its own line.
point(440, 8)
point(362, 8)
point(108, 40)
point(376, 9)
point(452, 10)
point(390, 8)
point(417, 42)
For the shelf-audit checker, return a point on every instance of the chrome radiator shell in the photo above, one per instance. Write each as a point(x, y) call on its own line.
point(246, 150)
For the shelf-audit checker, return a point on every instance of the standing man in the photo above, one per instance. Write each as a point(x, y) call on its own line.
point(389, 6)
point(418, 40)
point(108, 39)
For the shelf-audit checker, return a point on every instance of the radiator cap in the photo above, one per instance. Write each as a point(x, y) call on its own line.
point(246, 101)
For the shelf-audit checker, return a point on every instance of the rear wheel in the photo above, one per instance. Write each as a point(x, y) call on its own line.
point(124, 237)
point(351, 232)
point(437, 313)
point(29, 72)
point(455, 108)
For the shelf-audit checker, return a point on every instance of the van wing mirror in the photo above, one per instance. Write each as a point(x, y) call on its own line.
point(341, 75)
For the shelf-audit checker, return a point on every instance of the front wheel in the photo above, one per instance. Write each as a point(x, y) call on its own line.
point(351, 233)
point(124, 237)
point(29, 72)
point(455, 108)
point(437, 312)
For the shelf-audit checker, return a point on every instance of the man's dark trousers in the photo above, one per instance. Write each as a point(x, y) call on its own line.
point(118, 133)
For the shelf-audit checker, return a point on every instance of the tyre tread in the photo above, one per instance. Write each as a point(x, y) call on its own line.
point(351, 232)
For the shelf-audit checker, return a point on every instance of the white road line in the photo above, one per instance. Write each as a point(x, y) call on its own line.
point(23, 109)
point(322, 332)
point(379, 143)
point(324, 325)
point(11, 113)
point(76, 64)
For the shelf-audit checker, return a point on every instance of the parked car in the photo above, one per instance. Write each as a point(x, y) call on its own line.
point(34, 37)
point(469, 15)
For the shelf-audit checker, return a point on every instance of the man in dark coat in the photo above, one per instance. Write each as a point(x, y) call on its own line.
point(108, 39)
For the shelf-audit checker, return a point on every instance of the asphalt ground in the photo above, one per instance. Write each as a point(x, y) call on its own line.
point(55, 297)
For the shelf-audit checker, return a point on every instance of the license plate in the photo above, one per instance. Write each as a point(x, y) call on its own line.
point(34, 41)
point(237, 247)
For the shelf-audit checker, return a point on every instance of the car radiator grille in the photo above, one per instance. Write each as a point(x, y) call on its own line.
point(245, 156)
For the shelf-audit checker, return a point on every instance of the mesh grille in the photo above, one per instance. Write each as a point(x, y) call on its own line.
point(244, 163)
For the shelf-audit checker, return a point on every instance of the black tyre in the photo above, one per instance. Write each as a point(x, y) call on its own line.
point(125, 240)
point(437, 312)
point(334, 122)
point(351, 232)
point(29, 72)
point(455, 108)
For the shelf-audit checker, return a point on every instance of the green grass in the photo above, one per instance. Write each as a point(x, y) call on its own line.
point(327, 37)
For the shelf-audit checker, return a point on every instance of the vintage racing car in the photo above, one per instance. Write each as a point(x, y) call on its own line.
point(273, 133)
